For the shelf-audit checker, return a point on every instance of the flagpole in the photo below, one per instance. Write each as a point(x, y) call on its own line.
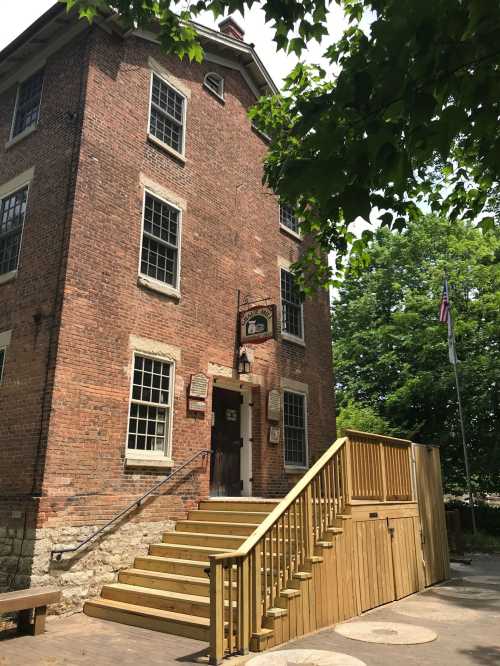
point(461, 416)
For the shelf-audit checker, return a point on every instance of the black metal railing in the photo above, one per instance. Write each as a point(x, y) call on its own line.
point(58, 553)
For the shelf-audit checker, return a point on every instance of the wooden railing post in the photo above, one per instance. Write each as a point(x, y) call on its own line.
point(216, 610)
point(346, 451)
point(383, 472)
point(244, 607)
point(309, 523)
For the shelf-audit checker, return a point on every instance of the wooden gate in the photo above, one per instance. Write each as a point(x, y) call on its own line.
point(432, 515)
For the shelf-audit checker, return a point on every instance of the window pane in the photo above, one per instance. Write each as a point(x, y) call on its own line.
point(167, 114)
point(28, 103)
point(291, 305)
point(161, 220)
point(147, 429)
point(294, 422)
point(288, 218)
point(12, 213)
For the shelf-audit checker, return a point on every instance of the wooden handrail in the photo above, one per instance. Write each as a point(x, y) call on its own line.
point(376, 438)
point(283, 506)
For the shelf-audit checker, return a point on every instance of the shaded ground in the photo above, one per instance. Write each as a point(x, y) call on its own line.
point(465, 613)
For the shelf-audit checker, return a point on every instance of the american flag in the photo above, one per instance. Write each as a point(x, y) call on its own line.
point(444, 310)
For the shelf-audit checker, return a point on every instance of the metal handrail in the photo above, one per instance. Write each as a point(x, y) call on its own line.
point(58, 553)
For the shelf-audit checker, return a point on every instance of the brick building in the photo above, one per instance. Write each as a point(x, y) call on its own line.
point(134, 227)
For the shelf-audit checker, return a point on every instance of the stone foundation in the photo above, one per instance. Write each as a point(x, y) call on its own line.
point(25, 558)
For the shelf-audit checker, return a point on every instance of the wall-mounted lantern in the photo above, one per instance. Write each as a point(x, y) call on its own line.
point(243, 362)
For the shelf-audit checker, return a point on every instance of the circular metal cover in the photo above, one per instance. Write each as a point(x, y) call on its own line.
point(389, 633)
point(304, 658)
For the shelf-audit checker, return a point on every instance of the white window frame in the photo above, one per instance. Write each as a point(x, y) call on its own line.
point(297, 235)
point(27, 130)
point(288, 466)
point(19, 183)
point(133, 456)
point(146, 280)
point(206, 84)
point(180, 155)
point(285, 334)
point(5, 337)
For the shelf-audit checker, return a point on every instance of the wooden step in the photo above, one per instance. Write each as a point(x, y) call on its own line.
point(205, 540)
point(254, 517)
point(172, 565)
point(203, 527)
point(175, 602)
point(167, 622)
point(166, 581)
point(215, 504)
point(185, 552)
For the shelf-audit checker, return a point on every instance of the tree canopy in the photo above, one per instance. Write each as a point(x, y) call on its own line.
point(390, 351)
point(412, 116)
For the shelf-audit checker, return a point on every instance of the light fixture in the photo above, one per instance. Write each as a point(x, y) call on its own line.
point(243, 362)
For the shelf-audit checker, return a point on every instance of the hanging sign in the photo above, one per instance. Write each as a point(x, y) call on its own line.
point(197, 405)
point(274, 435)
point(274, 405)
point(199, 386)
point(258, 324)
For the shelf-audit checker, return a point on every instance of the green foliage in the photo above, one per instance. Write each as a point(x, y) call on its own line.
point(356, 416)
point(391, 351)
point(412, 117)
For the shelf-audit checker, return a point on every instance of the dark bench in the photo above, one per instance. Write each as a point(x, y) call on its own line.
point(28, 603)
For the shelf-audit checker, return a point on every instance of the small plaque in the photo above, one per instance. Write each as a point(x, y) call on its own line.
point(274, 435)
point(274, 405)
point(257, 324)
point(197, 405)
point(199, 386)
point(231, 415)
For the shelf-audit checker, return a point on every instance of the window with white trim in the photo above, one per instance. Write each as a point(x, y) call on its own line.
point(29, 96)
point(295, 429)
point(215, 83)
point(292, 317)
point(288, 219)
point(150, 407)
point(12, 214)
point(160, 240)
point(167, 115)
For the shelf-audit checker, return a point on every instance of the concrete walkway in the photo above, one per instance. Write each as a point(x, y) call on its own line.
point(464, 612)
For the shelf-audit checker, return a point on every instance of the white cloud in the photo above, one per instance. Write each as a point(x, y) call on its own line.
point(17, 16)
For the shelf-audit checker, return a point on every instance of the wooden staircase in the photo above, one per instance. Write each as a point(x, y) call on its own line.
point(168, 590)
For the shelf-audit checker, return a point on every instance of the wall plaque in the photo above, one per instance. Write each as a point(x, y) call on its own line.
point(199, 386)
point(258, 324)
point(274, 405)
point(197, 405)
point(274, 435)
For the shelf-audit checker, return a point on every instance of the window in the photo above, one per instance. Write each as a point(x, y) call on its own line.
point(288, 219)
point(2, 362)
point(291, 307)
point(150, 407)
point(29, 95)
point(12, 213)
point(167, 116)
point(215, 83)
point(160, 241)
point(294, 426)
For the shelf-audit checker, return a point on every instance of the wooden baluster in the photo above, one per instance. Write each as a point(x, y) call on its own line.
point(291, 550)
point(296, 533)
point(319, 494)
point(244, 604)
point(216, 610)
point(308, 522)
point(314, 513)
point(265, 574)
point(278, 560)
point(271, 568)
point(256, 580)
point(285, 552)
point(230, 637)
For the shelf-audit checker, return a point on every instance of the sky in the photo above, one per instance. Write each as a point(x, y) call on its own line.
point(17, 16)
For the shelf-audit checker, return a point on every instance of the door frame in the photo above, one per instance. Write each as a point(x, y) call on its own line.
point(245, 390)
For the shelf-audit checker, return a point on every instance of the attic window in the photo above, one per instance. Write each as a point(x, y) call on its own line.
point(215, 83)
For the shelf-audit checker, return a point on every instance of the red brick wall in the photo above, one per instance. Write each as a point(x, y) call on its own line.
point(231, 240)
point(29, 304)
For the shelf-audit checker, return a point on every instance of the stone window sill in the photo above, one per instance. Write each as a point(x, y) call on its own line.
point(19, 137)
point(160, 287)
point(7, 277)
point(178, 156)
point(149, 462)
point(290, 232)
point(295, 470)
point(293, 338)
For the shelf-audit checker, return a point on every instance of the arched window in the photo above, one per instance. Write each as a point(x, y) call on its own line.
point(215, 83)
